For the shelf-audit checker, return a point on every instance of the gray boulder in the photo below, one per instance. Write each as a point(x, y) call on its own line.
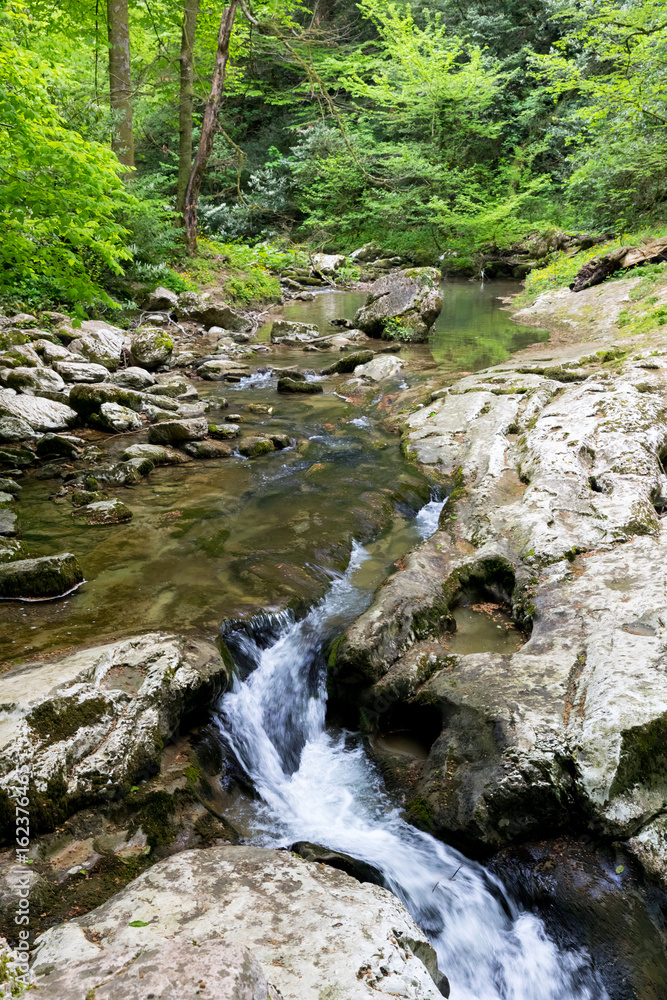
point(27, 379)
point(14, 429)
point(402, 306)
point(210, 313)
point(223, 370)
point(40, 579)
point(9, 521)
point(207, 449)
point(40, 414)
point(132, 378)
point(380, 368)
point(177, 431)
point(283, 909)
point(157, 454)
point(59, 446)
point(162, 299)
point(54, 352)
point(95, 720)
point(119, 419)
point(100, 344)
point(151, 347)
point(80, 372)
point(348, 363)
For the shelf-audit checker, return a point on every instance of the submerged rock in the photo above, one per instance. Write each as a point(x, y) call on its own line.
point(283, 909)
point(104, 512)
point(403, 305)
point(42, 578)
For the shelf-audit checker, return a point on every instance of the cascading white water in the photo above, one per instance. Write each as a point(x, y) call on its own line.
point(319, 786)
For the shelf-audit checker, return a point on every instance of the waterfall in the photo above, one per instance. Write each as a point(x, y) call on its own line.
point(318, 785)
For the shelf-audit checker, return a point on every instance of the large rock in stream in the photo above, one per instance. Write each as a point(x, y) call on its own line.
point(403, 305)
point(91, 724)
point(282, 926)
point(552, 515)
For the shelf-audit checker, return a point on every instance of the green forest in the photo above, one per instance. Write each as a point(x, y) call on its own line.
point(140, 141)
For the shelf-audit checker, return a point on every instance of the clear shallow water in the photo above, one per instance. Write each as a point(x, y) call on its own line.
point(229, 537)
point(473, 330)
point(319, 786)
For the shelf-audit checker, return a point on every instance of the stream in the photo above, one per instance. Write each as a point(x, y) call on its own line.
point(317, 784)
point(319, 525)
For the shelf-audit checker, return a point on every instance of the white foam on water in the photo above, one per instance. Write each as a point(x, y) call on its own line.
point(320, 786)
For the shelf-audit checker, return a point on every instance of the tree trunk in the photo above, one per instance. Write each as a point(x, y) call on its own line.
point(190, 13)
point(120, 84)
point(208, 128)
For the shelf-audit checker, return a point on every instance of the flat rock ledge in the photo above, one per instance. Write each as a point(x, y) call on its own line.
point(556, 497)
point(240, 923)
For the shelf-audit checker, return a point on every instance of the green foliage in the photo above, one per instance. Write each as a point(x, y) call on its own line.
point(59, 194)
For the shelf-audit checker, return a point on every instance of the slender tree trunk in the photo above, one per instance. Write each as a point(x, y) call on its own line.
point(208, 128)
point(190, 13)
point(120, 84)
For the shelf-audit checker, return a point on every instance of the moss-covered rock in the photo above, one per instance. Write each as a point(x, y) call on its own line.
point(151, 347)
point(87, 400)
point(348, 363)
point(41, 578)
point(104, 512)
point(253, 447)
point(292, 386)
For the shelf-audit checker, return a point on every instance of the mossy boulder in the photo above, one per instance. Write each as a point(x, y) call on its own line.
point(290, 385)
point(87, 400)
point(348, 363)
point(253, 447)
point(102, 728)
point(402, 305)
point(224, 431)
point(41, 578)
point(151, 347)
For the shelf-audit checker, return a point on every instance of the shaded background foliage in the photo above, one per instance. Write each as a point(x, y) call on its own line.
point(433, 127)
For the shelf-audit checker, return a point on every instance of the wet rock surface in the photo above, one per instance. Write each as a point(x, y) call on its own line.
point(280, 908)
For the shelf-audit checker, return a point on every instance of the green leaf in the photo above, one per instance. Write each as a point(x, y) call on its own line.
point(620, 869)
point(138, 923)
